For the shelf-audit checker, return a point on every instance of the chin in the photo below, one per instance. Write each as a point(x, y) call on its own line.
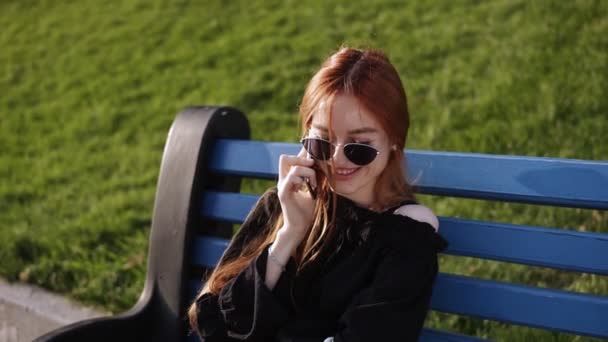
point(358, 188)
point(344, 191)
point(348, 189)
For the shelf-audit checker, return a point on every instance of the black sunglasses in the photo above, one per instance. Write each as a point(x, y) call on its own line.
point(360, 154)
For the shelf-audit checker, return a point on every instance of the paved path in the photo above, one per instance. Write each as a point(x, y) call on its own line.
point(27, 312)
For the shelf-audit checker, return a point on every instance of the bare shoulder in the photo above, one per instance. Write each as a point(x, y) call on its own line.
point(419, 213)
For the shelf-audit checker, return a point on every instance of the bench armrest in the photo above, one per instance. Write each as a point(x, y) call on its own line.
point(112, 328)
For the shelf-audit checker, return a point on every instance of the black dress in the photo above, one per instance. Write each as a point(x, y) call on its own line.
point(375, 286)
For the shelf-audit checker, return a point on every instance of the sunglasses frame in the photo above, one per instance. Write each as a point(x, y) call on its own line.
point(335, 146)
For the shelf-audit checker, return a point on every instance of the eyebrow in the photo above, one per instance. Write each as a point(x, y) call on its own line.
point(354, 131)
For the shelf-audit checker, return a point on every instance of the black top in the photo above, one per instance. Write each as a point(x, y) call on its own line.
point(375, 286)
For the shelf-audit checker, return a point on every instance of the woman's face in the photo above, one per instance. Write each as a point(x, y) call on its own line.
point(351, 122)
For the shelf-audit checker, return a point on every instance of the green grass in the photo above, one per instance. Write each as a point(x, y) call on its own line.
point(89, 90)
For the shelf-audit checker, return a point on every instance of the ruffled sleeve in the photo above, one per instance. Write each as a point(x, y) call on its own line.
point(394, 306)
point(245, 309)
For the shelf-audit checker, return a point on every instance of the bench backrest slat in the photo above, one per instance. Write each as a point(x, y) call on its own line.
point(531, 306)
point(551, 181)
point(535, 246)
point(555, 248)
point(208, 250)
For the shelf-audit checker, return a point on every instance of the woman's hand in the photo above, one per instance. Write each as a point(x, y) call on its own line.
point(297, 205)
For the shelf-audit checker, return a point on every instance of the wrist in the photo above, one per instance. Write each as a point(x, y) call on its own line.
point(284, 245)
point(273, 258)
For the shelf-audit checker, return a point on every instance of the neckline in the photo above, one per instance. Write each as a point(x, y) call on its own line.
point(354, 205)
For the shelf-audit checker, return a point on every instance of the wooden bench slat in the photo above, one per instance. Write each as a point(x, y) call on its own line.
point(207, 250)
point(551, 181)
point(536, 246)
point(545, 247)
point(214, 206)
point(531, 306)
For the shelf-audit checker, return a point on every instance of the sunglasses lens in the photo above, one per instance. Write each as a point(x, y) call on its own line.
point(360, 154)
point(318, 149)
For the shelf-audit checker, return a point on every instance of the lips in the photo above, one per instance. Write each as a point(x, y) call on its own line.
point(345, 174)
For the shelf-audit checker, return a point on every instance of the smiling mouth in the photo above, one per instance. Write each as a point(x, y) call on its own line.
point(346, 172)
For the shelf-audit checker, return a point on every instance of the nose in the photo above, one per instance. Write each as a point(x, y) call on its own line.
point(338, 156)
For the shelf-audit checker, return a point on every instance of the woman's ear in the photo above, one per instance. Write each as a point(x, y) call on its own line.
point(394, 147)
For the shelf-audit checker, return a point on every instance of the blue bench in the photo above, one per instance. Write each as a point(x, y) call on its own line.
point(208, 152)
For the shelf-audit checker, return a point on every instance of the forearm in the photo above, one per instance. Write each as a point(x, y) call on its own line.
point(279, 253)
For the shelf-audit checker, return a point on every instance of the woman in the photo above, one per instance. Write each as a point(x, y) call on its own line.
point(339, 250)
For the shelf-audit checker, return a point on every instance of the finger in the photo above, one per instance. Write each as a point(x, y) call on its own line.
point(293, 183)
point(300, 159)
point(288, 186)
point(303, 153)
point(305, 173)
point(286, 161)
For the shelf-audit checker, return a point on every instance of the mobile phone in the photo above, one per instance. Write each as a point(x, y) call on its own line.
point(313, 192)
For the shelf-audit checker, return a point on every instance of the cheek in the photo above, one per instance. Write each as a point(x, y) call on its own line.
point(380, 164)
point(375, 169)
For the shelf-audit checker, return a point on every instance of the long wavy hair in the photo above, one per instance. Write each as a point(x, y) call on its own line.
point(369, 76)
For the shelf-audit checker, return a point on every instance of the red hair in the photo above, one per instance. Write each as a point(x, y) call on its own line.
point(369, 76)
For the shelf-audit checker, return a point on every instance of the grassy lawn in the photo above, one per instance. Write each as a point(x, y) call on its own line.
point(89, 90)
